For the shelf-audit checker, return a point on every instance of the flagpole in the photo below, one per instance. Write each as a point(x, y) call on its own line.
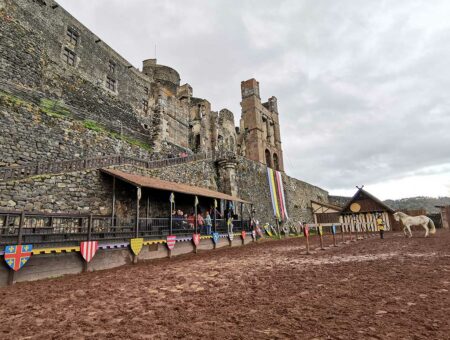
point(171, 218)
point(195, 214)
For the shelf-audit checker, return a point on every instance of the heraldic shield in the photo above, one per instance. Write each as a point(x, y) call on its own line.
point(88, 249)
point(231, 236)
point(136, 245)
point(215, 237)
point(243, 234)
point(171, 239)
point(16, 256)
point(196, 239)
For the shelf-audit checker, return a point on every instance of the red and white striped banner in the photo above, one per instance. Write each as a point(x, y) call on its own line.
point(88, 249)
point(196, 239)
point(171, 239)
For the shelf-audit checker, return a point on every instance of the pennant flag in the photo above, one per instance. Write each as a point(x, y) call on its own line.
point(196, 239)
point(136, 245)
point(196, 201)
point(172, 198)
point(171, 239)
point(333, 229)
point(16, 256)
point(88, 249)
point(306, 231)
point(215, 237)
point(320, 230)
point(231, 236)
point(277, 194)
point(243, 234)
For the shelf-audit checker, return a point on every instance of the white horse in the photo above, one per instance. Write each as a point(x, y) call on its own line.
point(409, 221)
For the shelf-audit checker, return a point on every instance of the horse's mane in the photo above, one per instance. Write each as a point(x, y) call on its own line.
point(402, 214)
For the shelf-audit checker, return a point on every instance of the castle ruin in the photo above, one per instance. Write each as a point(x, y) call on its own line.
point(66, 95)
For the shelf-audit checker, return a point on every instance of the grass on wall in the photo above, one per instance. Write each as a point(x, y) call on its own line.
point(54, 108)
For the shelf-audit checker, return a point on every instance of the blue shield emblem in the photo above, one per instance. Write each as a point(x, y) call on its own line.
point(333, 229)
point(215, 237)
point(16, 256)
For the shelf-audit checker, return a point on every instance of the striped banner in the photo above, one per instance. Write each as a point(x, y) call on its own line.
point(88, 249)
point(171, 239)
point(277, 194)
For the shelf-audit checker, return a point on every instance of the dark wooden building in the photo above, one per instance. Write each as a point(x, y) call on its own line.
point(363, 207)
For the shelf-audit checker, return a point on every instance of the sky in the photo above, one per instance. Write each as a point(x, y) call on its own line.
point(363, 86)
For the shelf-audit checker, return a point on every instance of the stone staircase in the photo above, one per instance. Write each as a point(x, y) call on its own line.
point(80, 164)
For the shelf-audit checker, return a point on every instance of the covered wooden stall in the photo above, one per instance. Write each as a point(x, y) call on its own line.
point(148, 204)
point(363, 208)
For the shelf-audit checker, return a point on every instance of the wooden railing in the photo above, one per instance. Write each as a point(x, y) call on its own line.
point(34, 169)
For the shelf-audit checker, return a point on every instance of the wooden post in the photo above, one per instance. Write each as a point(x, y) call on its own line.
point(342, 232)
point(113, 202)
point(136, 231)
point(12, 273)
point(306, 233)
point(333, 231)
point(320, 232)
point(88, 238)
point(195, 221)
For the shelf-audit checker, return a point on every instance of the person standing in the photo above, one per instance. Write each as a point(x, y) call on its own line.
point(208, 222)
point(200, 222)
point(380, 225)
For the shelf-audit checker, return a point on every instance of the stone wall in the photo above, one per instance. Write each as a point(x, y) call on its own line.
point(251, 179)
point(32, 133)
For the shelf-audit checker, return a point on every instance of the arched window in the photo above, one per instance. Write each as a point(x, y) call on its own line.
point(197, 142)
point(268, 159)
point(276, 165)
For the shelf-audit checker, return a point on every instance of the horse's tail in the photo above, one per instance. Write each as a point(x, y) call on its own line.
point(431, 224)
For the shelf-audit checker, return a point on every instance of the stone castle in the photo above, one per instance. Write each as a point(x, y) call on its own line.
point(67, 95)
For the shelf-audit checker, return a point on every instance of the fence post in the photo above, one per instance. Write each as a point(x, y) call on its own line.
point(19, 242)
point(21, 221)
point(89, 233)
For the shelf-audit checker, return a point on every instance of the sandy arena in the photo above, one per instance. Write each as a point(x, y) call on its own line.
point(395, 288)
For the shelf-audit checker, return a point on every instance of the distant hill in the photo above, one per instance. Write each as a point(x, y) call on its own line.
point(411, 203)
point(416, 203)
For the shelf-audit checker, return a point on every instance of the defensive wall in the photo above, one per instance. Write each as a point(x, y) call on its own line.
point(51, 264)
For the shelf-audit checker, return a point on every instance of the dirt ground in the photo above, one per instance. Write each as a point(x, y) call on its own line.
point(395, 288)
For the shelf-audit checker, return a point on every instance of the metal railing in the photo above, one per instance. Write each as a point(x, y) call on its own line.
point(43, 230)
point(34, 169)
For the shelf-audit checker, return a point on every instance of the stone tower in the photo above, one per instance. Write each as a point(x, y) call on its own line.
point(261, 127)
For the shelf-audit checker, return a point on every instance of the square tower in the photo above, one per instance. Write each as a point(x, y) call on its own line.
point(261, 126)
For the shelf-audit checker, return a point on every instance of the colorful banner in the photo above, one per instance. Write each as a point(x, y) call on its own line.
point(88, 249)
point(215, 237)
point(170, 240)
point(136, 245)
point(16, 256)
point(196, 239)
point(277, 194)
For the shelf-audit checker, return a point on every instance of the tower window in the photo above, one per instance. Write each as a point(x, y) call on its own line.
point(145, 105)
point(69, 57)
point(72, 36)
point(146, 90)
point(111, 84)
point(112, 66)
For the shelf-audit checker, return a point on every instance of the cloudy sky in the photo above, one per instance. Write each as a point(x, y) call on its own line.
point(363, 86)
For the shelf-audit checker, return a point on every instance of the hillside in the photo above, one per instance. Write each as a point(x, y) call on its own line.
point(414, 203)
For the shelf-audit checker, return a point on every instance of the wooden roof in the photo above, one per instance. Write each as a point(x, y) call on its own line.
point(368, 203)
point(155, 183)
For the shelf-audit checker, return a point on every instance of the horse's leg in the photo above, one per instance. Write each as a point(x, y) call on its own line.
point(404, 231)
point(426, 229)
point(409, 229)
